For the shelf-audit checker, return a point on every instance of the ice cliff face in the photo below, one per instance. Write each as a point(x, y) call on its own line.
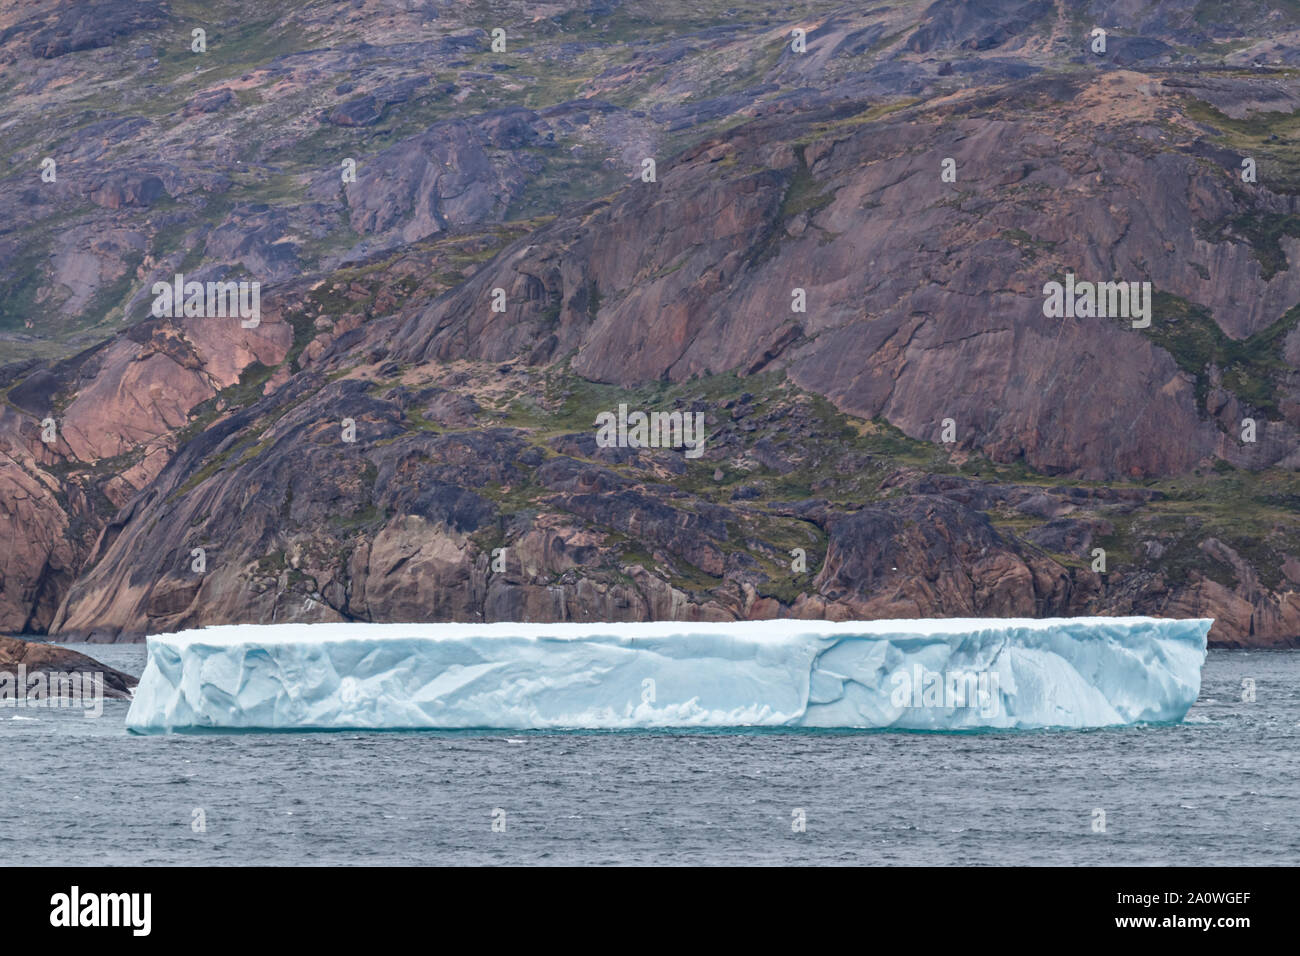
point(916, 675)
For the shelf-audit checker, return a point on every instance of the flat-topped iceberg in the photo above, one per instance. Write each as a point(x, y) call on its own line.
point(915, 675)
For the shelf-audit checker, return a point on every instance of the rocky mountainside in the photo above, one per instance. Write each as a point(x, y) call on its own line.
point(839, 263)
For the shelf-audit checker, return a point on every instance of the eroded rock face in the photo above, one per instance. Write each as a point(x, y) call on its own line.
point(487, 524)
point(927, 553)
point(982, 25)
point(66, 27)
point(455, 174)
point(128, 401)
point(40, 559)
point(144, 386)
point(1252, 614)
point(126, 189)
point(908, 284)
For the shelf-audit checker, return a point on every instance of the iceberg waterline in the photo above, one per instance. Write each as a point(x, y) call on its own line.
point(954, 674)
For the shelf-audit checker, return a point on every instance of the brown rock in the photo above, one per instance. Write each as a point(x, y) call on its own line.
point(50, 658)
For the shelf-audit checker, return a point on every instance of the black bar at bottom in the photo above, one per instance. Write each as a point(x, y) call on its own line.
point(370, 906)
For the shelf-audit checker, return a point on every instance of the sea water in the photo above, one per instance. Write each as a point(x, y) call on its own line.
point(1219, 788)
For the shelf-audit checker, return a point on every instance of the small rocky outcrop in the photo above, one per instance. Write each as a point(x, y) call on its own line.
point(38, 658)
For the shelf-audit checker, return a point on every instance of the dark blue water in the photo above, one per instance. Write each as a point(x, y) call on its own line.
point(1221, 788)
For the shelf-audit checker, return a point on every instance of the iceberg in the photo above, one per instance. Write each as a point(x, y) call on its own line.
point(947, 675)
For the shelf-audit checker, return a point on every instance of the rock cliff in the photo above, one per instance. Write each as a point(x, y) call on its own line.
point(839, 263)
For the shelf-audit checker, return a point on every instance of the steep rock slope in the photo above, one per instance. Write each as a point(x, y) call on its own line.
point(911, 281)
point(826, 487)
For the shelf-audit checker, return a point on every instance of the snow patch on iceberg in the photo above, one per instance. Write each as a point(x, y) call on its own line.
point(916, 675)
